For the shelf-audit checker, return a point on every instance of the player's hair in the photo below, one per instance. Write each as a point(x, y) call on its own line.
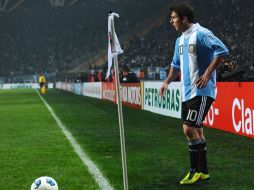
point(183, 10)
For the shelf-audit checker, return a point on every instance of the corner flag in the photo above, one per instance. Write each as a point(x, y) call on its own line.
point(117, 48)
point(113, 50)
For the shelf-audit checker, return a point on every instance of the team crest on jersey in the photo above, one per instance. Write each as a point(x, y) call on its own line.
point(192, 48)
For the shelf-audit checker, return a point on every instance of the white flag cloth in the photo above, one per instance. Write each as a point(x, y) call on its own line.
point(116, 44)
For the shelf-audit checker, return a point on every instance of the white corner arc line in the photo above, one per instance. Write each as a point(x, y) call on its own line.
point(92, 168)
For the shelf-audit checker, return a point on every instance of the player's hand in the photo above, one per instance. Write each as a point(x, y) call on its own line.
point(202, 81)
point(163, 88)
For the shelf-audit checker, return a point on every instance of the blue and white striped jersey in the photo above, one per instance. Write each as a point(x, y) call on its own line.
point(194, 51)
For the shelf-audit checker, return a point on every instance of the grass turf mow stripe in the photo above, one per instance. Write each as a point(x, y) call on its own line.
point(93, 169)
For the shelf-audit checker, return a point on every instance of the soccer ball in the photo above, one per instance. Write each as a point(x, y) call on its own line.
point(44, 183)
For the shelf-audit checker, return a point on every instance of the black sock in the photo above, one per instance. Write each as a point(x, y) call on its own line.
point(194, 155)
point(203, 159)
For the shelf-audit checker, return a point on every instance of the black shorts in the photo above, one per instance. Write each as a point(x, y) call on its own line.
point(195, 110)
point(41, 84)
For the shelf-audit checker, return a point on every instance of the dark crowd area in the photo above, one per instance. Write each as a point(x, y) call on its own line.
point(67, 40)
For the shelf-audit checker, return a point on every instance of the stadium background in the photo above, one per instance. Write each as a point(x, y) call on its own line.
point(65, 38)
point(67, 41)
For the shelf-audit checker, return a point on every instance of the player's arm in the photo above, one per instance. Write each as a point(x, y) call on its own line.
point(220, 51)
point(204, 79)
point(174, 70)
point(173, 73)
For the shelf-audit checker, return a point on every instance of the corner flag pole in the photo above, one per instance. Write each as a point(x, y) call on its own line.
point(119, 105)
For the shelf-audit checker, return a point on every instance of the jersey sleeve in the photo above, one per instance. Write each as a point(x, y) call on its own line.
point(176, 58)
point(212, 42)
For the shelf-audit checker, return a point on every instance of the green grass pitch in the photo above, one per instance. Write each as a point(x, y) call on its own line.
point(32, 145)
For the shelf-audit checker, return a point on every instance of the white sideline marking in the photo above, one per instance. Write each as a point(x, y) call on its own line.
point(93, 169)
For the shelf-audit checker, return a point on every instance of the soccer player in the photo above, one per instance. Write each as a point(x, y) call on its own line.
point(197, 54)
point(42, 83)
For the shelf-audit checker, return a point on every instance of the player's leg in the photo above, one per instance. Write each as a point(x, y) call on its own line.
point(202, 156)
point(193, 143)
point(202, 151)
point(190, 111)
point(41, 85)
